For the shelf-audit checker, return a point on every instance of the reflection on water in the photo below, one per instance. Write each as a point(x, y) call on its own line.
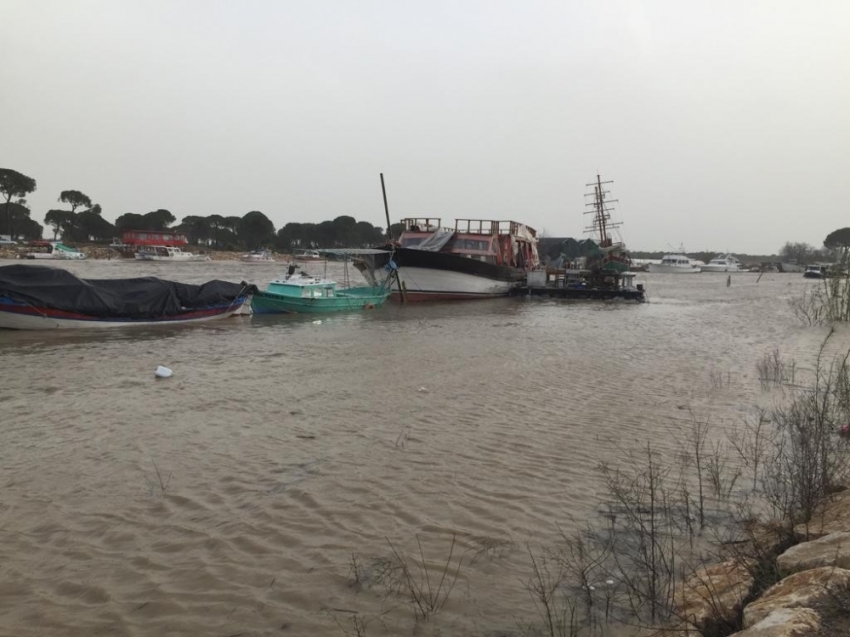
point(229, 498)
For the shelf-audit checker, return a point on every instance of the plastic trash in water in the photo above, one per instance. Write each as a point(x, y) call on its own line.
point(163, 372)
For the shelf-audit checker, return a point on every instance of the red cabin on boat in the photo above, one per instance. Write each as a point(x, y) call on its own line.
point(132, 240)
point(168, 238)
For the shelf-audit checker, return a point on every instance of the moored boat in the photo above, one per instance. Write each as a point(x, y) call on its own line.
point(674, 264)
point(42, 298)
point(258, 257)
point(817, 271)
point(53, 250)
point(308, 256)
point(601, 273)
point(297, 292)
point(168, 254)
point(475, 259)
point(726, 263)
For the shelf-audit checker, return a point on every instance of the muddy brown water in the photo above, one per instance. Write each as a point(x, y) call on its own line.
point(229, 498)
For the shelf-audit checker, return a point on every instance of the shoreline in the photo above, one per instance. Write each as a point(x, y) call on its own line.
point(105, 253)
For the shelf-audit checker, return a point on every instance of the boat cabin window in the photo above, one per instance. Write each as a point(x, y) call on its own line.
point(471, 244)
point(413, 241)
point(317, 292)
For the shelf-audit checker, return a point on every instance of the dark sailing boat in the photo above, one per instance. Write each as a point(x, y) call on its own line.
point(609, 256)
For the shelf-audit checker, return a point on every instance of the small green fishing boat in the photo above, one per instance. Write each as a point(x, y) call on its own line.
point(301, 293)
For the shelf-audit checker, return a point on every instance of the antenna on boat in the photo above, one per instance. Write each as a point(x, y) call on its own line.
point(386, 209)
point(394, 272)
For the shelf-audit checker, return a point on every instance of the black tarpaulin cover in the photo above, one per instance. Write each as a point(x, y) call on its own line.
point(145, 297)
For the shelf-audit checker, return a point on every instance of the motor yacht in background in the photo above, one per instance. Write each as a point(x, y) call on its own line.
point(168, 254)
point(726, 263)
point(257, 257)
point(675, 264)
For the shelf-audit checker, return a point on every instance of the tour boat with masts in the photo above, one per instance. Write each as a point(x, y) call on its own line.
point(601, 273)
point(726, 263)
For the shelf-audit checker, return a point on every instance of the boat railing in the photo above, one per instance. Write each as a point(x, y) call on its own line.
point(485, 226)
point(422, 224)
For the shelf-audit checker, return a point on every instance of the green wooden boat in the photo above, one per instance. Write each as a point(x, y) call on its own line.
point(300, 293)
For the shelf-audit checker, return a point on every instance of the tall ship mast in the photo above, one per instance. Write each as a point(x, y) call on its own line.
point(610, 256)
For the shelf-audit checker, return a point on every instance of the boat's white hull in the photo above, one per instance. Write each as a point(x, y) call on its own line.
point(656, 268)
point(12, 321)
point(425, 284)
point(258, 261)
point(195, 258)
point(720, 268)
point(77, 256)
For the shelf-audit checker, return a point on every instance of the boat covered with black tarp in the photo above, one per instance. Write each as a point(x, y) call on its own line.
point(39, 297)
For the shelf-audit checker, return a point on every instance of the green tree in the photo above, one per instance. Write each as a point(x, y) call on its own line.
point(802, 253)
point(196, 228)
point(75, 198)
point(309, 235)
point(256, 230)
point(289, 237)
point(91, 226)
point(395, 231)
point(345, 231)
point(368, 236)
point(14, 184)
point(58, 220)
point(837, 239)
point(216, 224)
point(158, 220)
point(130, 221)
point(18, 217)
point(325, 234)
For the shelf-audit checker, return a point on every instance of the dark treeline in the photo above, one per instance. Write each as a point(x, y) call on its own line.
point(15, 218)
point(802, 253)
point(82, 221)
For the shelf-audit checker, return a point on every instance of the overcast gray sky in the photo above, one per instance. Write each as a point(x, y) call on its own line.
point(725, 125)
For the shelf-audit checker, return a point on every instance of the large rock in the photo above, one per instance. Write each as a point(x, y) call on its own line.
point(785, 622)
point(830, 550)
point(800, 590)
point(831, 517)
point(713, 597)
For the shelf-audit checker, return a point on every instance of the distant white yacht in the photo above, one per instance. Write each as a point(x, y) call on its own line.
point(726, 263)
point(675, 264)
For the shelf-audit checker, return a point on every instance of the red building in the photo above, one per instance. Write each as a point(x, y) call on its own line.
point(132, 240)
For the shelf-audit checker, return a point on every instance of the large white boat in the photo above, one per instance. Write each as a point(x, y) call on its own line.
point(475, 259)
point(675, 264)
point(726, 263)
point(168, 254)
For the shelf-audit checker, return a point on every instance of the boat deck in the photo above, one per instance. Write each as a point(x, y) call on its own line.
point(580, 293)
point(580, 284)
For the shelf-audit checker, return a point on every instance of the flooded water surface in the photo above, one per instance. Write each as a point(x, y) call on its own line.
point(230, 498)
